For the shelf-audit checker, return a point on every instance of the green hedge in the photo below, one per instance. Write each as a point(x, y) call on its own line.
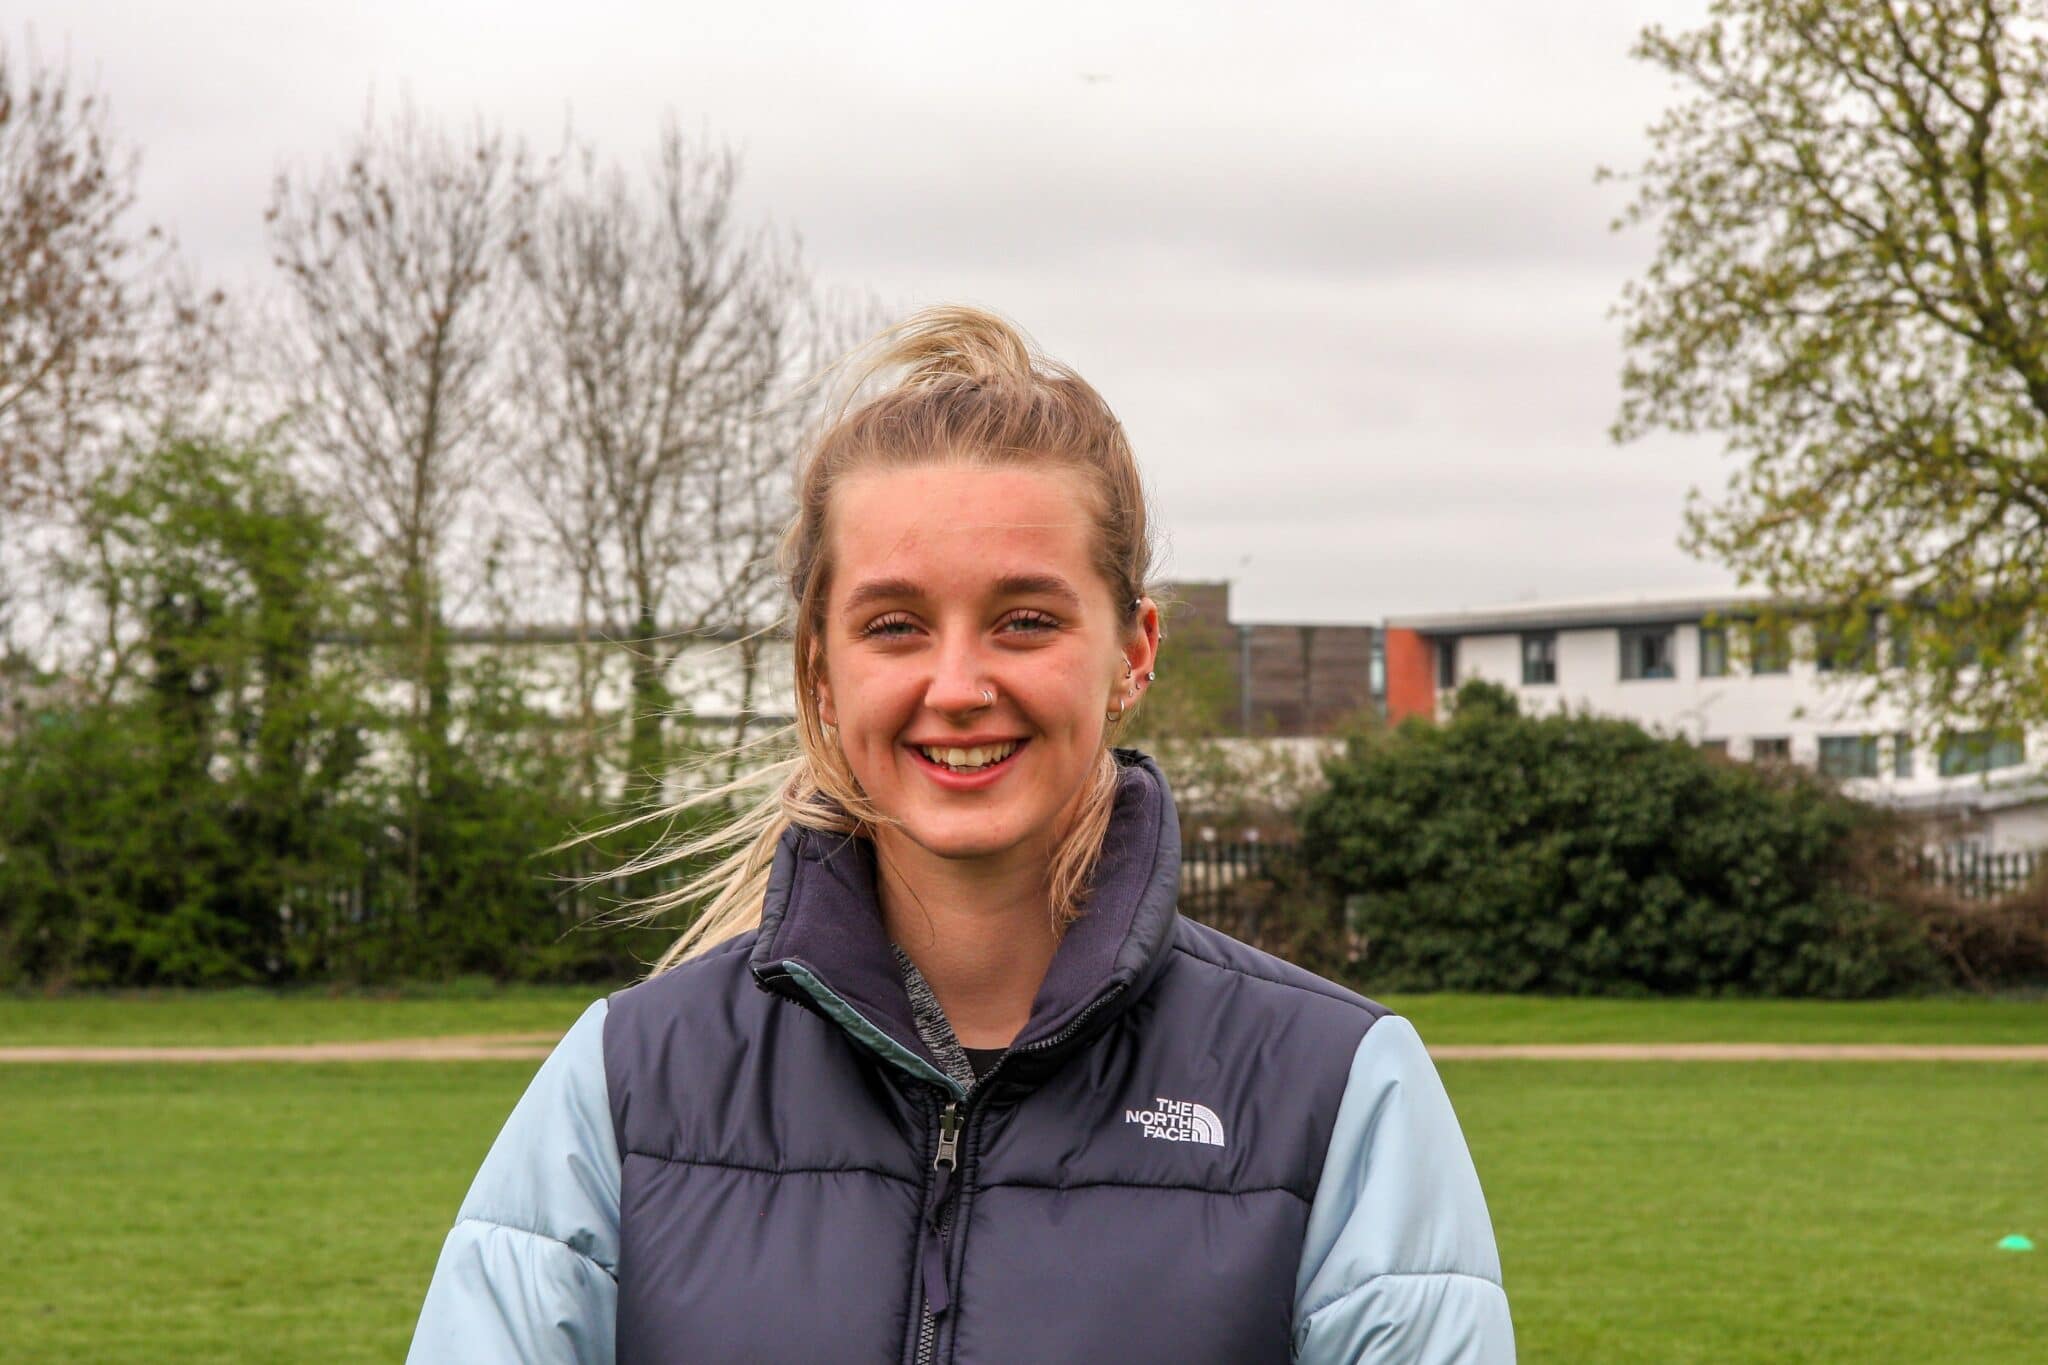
point(232, 809)
point(120, 866)
point(1567, 854)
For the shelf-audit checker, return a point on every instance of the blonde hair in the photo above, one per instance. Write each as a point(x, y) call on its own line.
point(969, 388)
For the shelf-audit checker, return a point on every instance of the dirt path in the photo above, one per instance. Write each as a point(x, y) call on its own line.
point(516, 1047)
point(478, 1047)
point(1745, 1052)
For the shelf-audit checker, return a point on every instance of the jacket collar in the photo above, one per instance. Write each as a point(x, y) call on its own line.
point(822, 943)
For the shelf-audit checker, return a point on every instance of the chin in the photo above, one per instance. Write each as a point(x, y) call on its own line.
point(962, 839)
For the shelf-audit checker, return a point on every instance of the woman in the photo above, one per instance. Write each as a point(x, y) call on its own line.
point(939, 1074)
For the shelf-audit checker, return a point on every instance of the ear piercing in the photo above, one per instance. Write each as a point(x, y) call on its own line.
point(1130, 672)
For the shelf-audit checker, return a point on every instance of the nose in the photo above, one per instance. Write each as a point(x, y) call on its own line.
point(959, 679)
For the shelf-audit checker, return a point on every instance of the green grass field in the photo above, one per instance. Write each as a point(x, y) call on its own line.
point(254, 1016)
point(1781, 1212)
point(232, 1213)
point(1646, 1211)
point(1532, 1019)
point(203, 1018)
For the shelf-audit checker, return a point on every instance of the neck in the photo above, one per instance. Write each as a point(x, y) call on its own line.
point(981, 933)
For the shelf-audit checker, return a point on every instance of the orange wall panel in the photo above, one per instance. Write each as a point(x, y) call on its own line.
point(1411, 675)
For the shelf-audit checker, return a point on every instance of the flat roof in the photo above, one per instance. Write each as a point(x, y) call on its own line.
point(2025, 788)
point(1580, 613)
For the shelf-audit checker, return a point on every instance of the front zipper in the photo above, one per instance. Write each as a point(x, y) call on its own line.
point(938, 1211)
point(937, 1223)
point(944, 1162)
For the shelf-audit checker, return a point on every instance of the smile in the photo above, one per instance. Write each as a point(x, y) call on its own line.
point(980, 758)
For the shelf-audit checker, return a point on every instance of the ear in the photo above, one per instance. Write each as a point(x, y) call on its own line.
point(1141, 646)
point(827, 710)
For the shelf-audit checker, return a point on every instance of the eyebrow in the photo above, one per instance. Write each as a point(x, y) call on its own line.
point(877, 590)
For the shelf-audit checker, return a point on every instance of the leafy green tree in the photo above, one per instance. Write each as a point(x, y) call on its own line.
point(236, 812)
point(165, 834)
point(1570, 854)
point(1850, 286)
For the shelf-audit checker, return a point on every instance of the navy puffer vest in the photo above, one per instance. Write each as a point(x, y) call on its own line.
point(1131, 1182)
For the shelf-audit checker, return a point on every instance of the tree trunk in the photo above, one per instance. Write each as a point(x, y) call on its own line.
point(645, 760)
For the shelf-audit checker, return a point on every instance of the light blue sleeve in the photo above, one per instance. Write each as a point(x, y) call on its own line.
point(1399, 1263)
point(529, 1273)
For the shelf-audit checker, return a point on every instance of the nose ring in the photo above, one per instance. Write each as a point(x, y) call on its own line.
point(988, 698)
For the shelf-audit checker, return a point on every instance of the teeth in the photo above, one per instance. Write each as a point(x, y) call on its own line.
point(968, 760)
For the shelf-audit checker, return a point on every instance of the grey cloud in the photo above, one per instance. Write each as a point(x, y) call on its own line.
point(1341, 269)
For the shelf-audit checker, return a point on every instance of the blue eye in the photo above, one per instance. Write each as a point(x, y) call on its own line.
point(886, 628)
point(1031, 622)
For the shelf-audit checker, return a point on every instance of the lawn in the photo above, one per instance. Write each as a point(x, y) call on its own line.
point(1778, 1212)
point(200, 1018)
point(311, 1016)
point(1782, 1212)
point(1535, 1019)
point(231, 1213)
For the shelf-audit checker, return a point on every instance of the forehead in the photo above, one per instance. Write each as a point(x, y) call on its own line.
point(953, 525)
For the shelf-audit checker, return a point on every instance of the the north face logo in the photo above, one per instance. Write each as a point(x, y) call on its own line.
point(1178, 1121)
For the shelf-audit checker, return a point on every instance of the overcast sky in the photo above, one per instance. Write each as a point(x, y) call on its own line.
point(1341, 268)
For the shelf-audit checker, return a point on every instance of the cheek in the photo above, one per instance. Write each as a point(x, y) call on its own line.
point(1079, 689)
point(873, 704)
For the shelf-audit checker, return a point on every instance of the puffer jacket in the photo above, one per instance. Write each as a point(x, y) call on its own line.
point(1193, 1152)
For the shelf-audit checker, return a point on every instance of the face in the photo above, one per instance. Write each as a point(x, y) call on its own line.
point(972, 653)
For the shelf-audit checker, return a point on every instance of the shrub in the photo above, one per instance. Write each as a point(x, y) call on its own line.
point(1570, 854)
point(1990, 943)
point(216, 817)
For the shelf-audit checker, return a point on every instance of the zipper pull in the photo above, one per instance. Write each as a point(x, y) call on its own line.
point(933, 1257)
point(948, 1155)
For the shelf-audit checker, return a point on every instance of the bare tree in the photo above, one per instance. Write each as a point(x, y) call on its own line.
point(400, 270)
point(102, 337)
point(661, 331)
point(66, 315)
point(829, 329)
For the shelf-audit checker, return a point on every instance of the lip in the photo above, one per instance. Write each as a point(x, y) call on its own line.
point(964, 782)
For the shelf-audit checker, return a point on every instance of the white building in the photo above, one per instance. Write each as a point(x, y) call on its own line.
point(1674, 665)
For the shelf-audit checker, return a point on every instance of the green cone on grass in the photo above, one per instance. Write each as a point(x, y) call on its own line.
point(2015, 1242)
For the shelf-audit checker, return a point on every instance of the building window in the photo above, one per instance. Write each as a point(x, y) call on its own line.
point(1713, 652)
point(1839, 646)
point(1981, 752)
point(1714, 746)
point(1964, 641)
point(1902, 755)
point(1447, 663)
point(1646, 652)
point(1539, 658)
point(1770, 648)
point(1848, 755)
point(1776, 749)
